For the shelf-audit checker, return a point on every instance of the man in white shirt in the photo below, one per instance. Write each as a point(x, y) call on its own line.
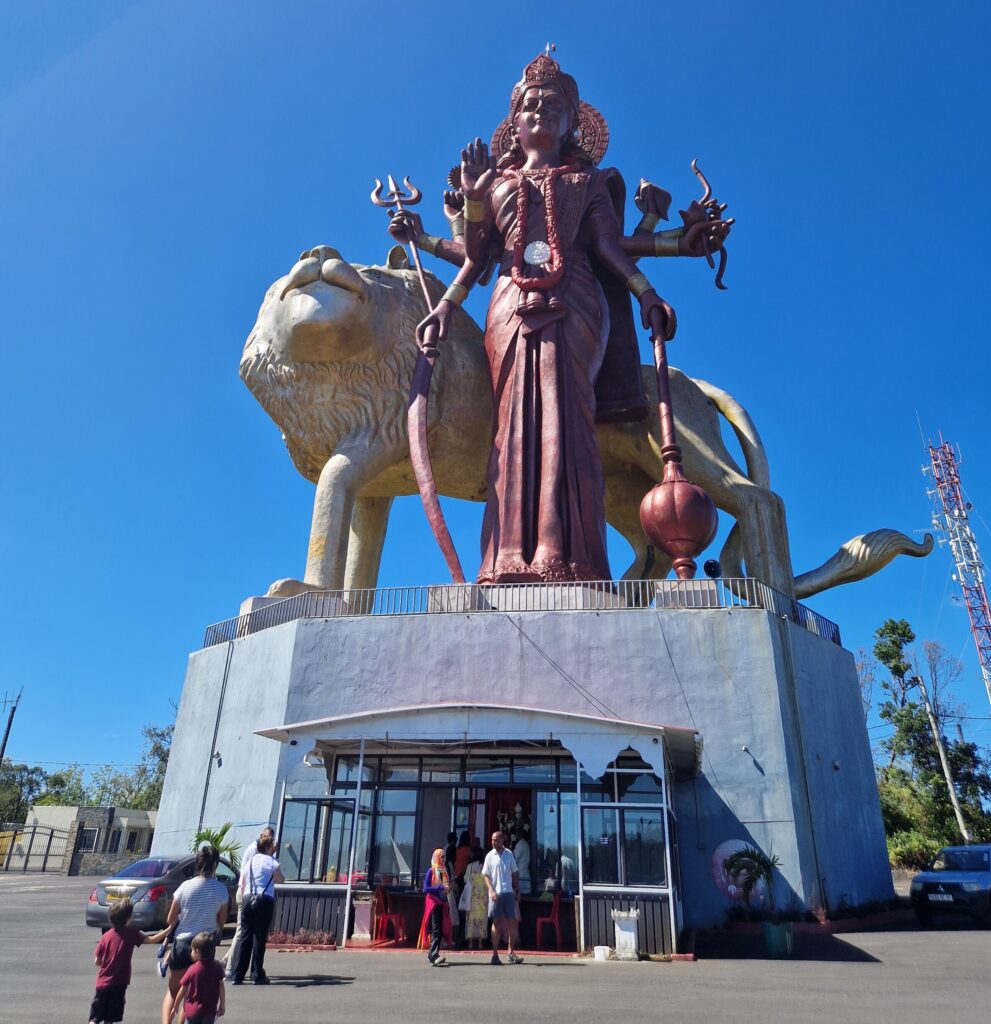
point(502, 879)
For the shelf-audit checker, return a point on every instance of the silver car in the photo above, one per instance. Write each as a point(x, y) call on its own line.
point(149, 884)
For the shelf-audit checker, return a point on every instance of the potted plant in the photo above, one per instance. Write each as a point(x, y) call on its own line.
point(749, 868)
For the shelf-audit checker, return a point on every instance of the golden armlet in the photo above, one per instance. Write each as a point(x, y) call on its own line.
point(638, 285)
point(474, 211)
point(665, 246)
point(428, 243)
point(458, 227)
point(456, 294)
point(648, 222)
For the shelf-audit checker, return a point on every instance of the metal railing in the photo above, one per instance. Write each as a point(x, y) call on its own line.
point(605, 595)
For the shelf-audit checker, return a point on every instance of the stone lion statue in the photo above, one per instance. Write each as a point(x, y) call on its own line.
point(330, 359)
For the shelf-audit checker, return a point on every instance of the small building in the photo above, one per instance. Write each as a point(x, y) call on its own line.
point(93, 840)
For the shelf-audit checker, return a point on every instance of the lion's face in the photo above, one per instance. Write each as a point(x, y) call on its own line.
point(317, 313)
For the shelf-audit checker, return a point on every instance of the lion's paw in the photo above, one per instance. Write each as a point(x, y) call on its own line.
point(290, 588)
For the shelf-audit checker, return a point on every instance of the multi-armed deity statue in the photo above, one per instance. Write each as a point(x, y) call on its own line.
point(549, 418)
point(559, 336)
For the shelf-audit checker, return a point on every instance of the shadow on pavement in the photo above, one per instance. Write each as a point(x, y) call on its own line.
point(311, 980)
point(821, 948)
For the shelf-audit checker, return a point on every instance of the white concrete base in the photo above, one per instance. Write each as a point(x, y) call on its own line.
point(786, 763)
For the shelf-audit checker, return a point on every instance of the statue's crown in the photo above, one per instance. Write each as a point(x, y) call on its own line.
point(544, 70)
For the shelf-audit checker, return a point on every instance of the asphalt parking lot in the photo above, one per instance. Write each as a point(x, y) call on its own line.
point(46, 967)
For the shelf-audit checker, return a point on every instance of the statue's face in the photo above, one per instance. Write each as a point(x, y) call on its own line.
point(543, 119)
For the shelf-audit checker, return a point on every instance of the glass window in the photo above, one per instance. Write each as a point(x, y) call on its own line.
point(346, 769)
point(132, 841)
point(568, 864)
point(638, 789)
point(225, 874)
point(337, 846)
point(442, 769)
point(644, 847)
point(487, 770)
point(601, 836)
point(114, 846)
point(400, 769)
point(546, 853)
point(87, 841)
point(296, 844)
point(395, 828)
point(569, 771)
point(541, 769)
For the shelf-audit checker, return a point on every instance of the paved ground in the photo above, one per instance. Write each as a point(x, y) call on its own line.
point(896, 976)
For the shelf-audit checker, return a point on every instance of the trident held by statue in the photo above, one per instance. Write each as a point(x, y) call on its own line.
point(419, 395)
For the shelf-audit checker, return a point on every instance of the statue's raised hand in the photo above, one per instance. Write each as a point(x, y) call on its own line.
point(703, 237)
point(652, 199)
point(405, 226)
point(478, 170)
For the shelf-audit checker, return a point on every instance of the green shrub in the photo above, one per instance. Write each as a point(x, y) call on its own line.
point(912, 850)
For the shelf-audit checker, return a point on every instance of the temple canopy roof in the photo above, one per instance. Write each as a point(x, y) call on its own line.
point(593, 741)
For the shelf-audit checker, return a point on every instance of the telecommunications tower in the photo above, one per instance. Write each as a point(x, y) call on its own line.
point(951, 520)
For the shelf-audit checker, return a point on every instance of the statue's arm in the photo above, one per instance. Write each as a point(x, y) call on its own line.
point(607, 239)
point(406, 226)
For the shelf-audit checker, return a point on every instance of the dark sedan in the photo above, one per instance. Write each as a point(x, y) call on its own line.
point(149, 885)
point(959, 879)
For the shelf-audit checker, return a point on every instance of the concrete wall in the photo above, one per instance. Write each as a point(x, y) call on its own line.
point(744, 678)
point(232, 689)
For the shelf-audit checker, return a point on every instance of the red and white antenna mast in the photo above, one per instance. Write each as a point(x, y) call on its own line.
point(952, 523)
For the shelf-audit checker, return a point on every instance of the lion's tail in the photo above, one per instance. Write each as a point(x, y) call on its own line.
point(743, 426)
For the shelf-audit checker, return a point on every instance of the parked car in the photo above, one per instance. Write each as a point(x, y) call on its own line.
point(149, 884)
point(959, 879)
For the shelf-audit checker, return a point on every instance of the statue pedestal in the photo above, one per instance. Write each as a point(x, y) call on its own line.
point(786, 764)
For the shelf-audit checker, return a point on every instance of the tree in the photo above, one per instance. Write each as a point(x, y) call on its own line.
point(65, 787)
point(916, 804)
point(219, 838)
point(139, 787)
point(20, 785)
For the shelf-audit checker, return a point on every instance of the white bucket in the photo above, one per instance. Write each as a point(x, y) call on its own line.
point(600, 952)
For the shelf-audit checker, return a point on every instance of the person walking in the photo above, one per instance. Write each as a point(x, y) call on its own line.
point(502, 879)
point(258, 881)
point(202, 990)
point(199, 905)
point(249, 851)
point(113, 958)
point(436, 916)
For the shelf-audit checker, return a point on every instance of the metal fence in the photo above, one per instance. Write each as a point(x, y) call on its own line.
point(32, 847)
point(605, 595)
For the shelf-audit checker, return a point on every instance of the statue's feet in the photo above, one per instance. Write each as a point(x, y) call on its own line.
point(290, 588)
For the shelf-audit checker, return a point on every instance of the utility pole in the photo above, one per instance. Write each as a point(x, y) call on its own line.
point(942, 759)
point(10, 721)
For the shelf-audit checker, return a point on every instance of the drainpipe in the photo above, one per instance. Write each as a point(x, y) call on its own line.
point(216, 732)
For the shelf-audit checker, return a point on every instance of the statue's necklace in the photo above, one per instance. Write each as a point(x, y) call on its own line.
point(555, 263)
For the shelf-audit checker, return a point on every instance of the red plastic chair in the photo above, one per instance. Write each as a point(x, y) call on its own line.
point(385, 918)
point(551, 920)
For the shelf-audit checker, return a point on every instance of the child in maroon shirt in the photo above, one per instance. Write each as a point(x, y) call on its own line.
point(113, 957)
point(203, 984)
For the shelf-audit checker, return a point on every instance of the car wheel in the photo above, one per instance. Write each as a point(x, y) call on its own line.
point(103, 931)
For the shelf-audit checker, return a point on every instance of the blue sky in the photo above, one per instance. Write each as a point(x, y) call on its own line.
point(162, 164)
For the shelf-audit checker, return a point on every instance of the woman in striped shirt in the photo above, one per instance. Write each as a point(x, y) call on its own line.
point(199, 905)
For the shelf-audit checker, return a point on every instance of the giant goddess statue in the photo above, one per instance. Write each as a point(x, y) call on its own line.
point(559, 335)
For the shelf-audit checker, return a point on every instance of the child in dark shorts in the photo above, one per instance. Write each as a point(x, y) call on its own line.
point(113, 957)
point(202, 985)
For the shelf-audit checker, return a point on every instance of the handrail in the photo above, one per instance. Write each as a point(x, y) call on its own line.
point(598, 596)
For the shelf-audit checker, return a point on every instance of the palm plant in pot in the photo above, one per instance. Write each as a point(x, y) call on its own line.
point(749, 868)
